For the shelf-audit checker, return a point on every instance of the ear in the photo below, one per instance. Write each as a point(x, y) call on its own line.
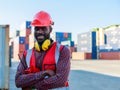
point(50, 29)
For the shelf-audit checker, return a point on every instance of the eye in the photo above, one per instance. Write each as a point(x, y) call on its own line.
point(37, 28)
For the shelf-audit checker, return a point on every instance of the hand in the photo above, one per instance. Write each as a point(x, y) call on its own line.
point(49, 73)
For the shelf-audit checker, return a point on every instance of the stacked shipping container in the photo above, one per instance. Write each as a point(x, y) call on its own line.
point(70, 45)
point(111, 49)
point(89, 42)
point(64, 38)
point(84, 42)
point(84, 46)
point(21, 43)
point(61, 36)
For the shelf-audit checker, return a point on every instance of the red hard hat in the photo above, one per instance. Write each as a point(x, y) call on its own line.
point(42, 18)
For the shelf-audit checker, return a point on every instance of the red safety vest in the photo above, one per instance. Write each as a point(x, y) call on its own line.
point(49, 62)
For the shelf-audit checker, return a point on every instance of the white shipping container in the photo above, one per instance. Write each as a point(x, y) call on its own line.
point(31, 41)
point(84, 42)
point(100, 37)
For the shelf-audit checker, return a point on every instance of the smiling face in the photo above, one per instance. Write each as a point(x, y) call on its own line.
point(42, 33)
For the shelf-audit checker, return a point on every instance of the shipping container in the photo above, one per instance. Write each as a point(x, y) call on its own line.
point(78, 55)
point(21, 40)
point(84, 41)
point(25, 32)
point(68, 43)
point(81, 55)
point(94, 55)
point(31, 41)
point(28, 32)
point(10, 55)
point(94, 46)
point(26, 46)
point(100, 37)
point(18, 48)
point(17, 33)
point(65, 35)
point(4, 57)
point(26, 40)
point(28, 26)
point(25, 25)
point(61, 36)
point(93, 39)
point(88, 56)
point(110, 55)
point(105, 41)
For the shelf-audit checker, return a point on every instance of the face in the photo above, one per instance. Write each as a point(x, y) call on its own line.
point(42, 33)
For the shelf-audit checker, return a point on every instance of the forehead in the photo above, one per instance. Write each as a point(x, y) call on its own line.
point(44, 27)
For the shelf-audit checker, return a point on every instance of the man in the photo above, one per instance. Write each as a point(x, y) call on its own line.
point(46, 66)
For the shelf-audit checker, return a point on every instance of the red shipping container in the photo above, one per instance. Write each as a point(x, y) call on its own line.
point(66, 35)
point(28, 32)
point(88, 56)
point(21, 47)
point(110, 55)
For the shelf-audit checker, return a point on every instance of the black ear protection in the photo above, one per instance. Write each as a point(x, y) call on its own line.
point(44, 46)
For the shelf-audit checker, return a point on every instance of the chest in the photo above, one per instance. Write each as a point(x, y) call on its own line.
point(45, 60)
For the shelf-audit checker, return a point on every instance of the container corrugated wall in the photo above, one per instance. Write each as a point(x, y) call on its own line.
point(63, 36)
point(4, 57)
point(84, 41)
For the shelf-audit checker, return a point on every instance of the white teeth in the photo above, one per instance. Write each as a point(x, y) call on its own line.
point(40, 37)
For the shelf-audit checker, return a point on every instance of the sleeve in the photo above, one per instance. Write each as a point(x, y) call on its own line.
point(26, 80)
point(62, 72)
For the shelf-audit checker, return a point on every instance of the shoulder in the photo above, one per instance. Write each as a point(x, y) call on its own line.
point(65, 54)
point(65, 49)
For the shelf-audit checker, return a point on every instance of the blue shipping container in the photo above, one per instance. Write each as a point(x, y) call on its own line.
point(94, 55)
point(4, 57)
point(94, 52)
point(17, 33)
point(28, 24)
point(21, 40)
point(105, 38)
point(69, 35)
point(72, 43)
point(59, 35)
point(109, 50)
point(26, 46)
point(58, 40)
point(93, 39)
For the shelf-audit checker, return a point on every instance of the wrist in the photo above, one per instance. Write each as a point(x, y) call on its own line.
point(40, 75)
point(44, 73)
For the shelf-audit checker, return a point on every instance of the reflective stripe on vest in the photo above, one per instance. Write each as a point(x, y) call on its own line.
point(28, 56)
point(57, 54)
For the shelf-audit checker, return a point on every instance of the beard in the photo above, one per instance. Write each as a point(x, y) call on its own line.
point(41, 38)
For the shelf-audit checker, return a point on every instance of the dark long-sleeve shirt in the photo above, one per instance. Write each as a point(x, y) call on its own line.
point(36, 79)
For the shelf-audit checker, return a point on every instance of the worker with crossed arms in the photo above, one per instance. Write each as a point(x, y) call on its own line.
point(47, 65)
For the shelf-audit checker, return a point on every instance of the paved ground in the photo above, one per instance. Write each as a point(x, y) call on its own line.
point(87, 75)
point(12, 76)
point(107, 67)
